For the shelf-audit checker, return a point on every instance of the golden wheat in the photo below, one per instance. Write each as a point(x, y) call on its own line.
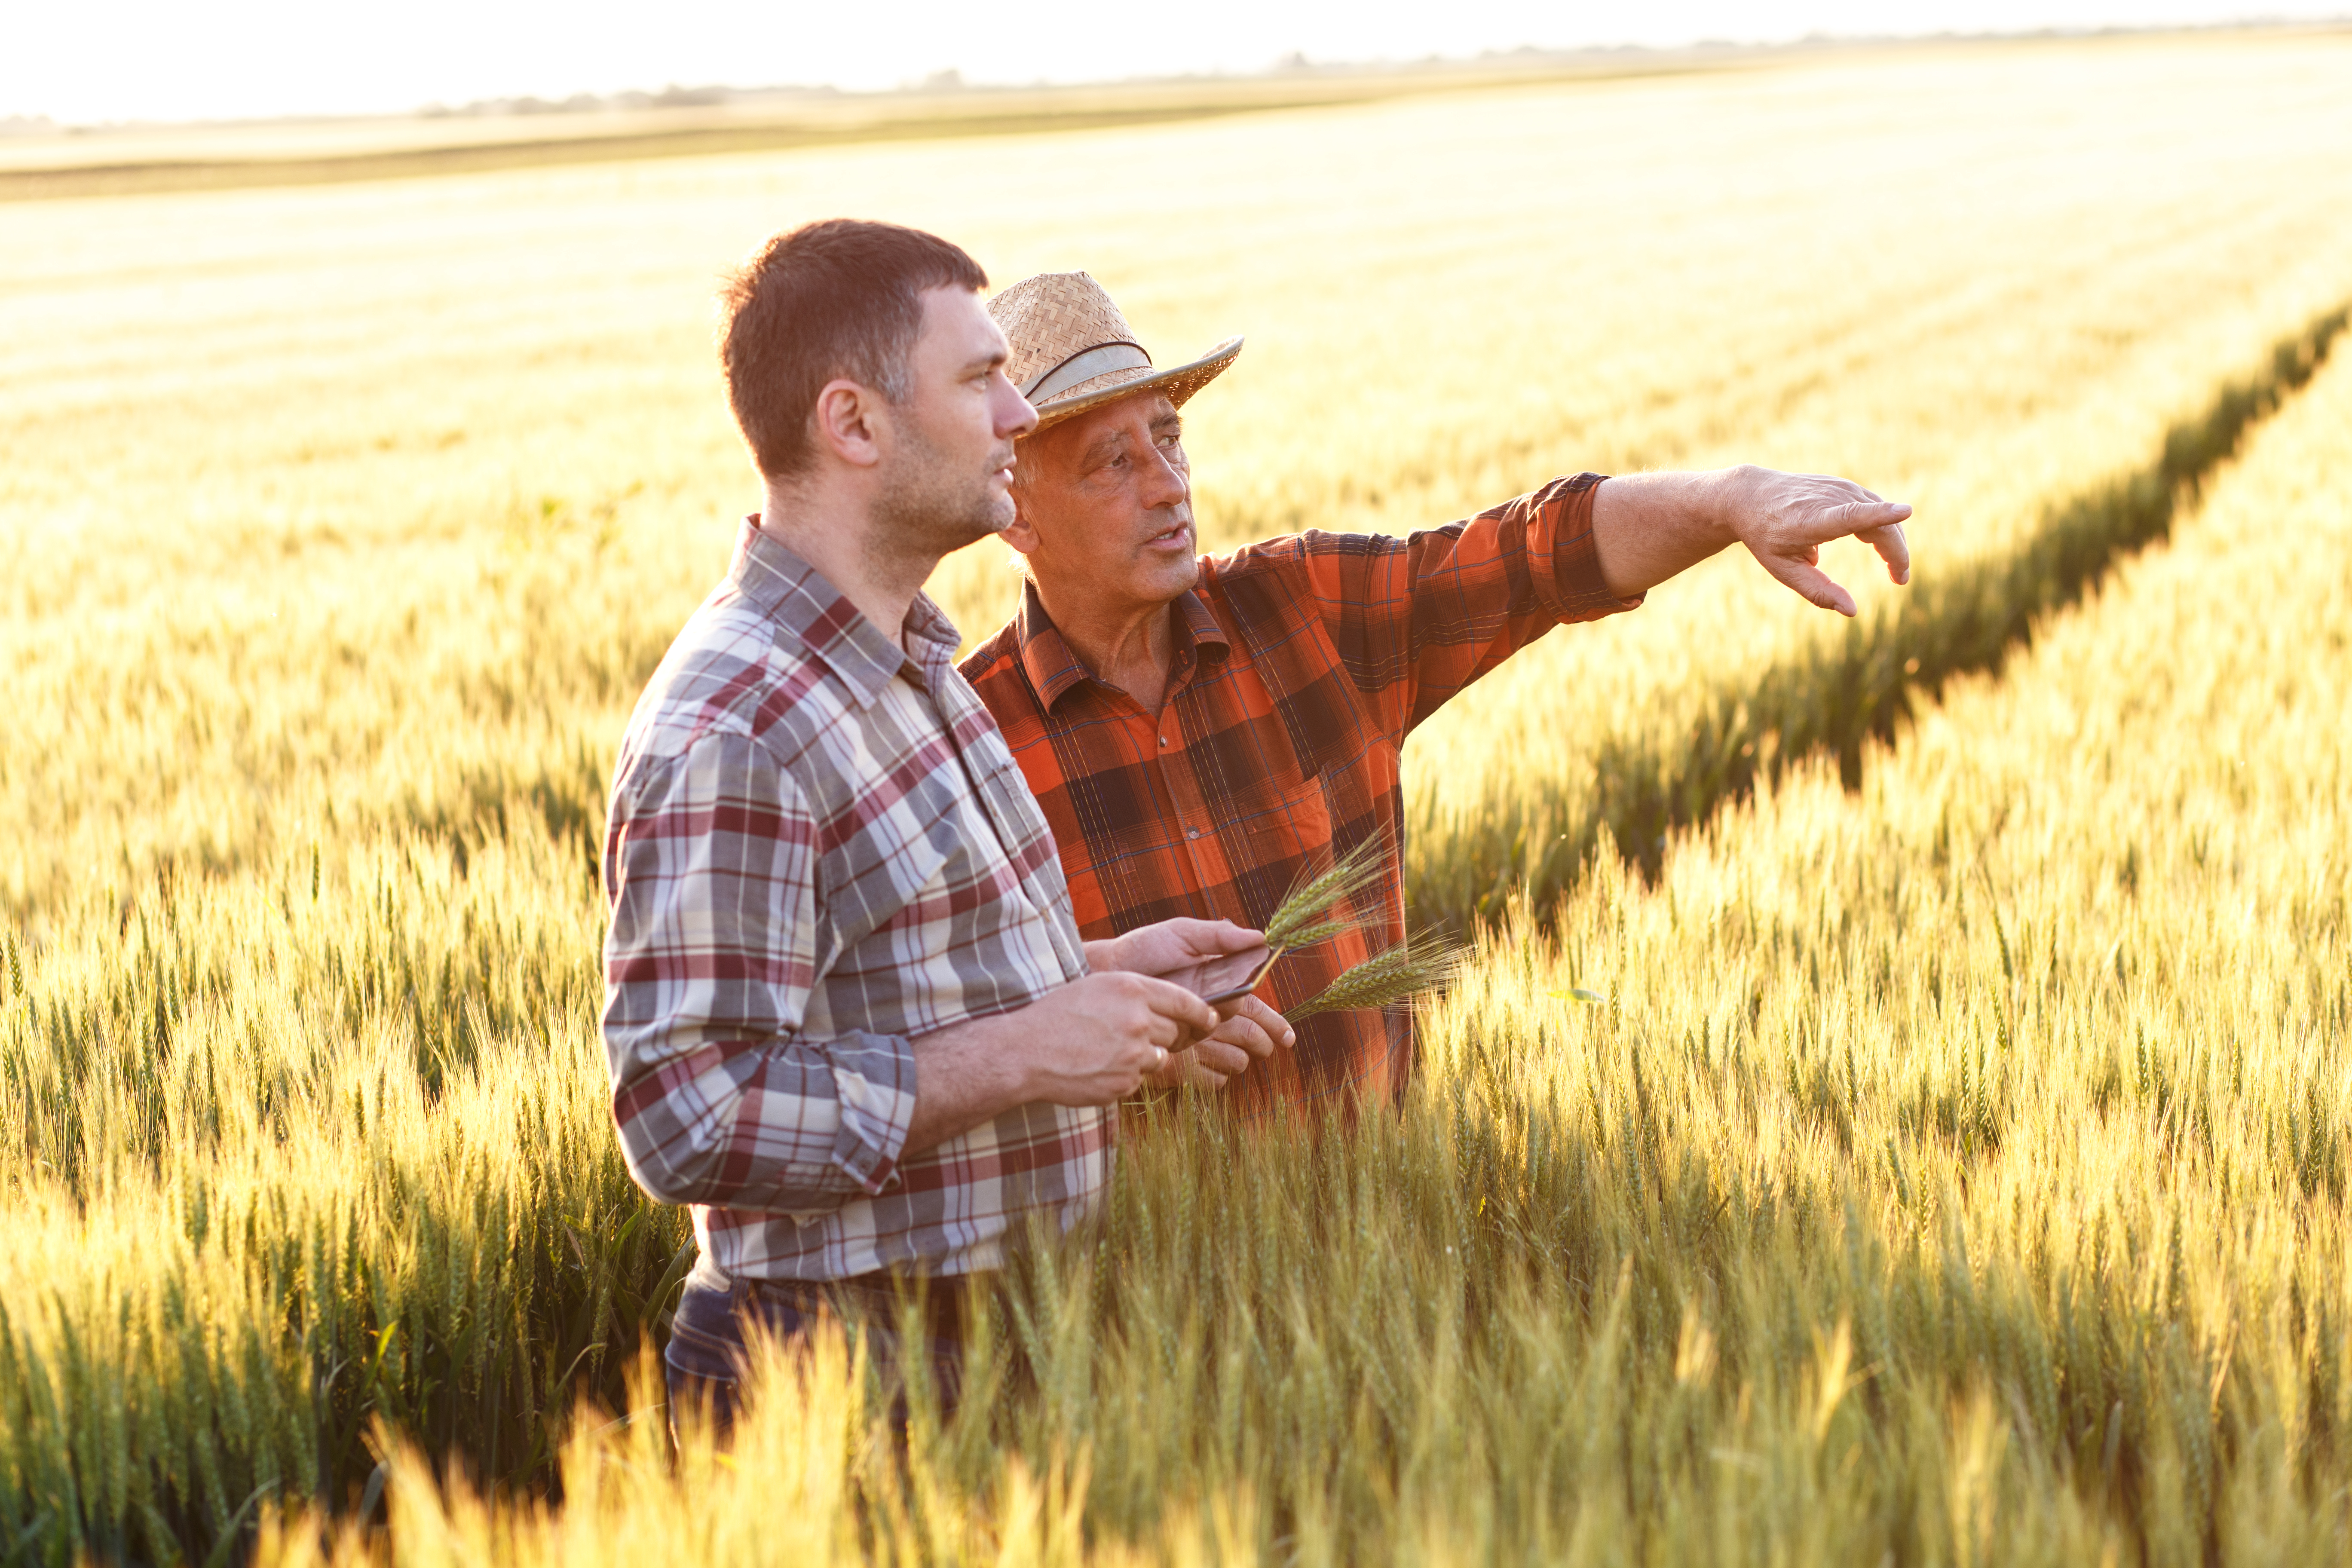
point(1952, 1168)
point(1416, 967)
point(1954, 1172)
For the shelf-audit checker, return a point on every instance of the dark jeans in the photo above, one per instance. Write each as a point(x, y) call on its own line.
point(706, 1357)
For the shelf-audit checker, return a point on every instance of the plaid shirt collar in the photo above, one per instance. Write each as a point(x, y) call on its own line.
point(797, 596)
point(1054, 668)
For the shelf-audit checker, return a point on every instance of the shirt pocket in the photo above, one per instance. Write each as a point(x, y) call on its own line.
point(1283, 849)
point(1273, 820)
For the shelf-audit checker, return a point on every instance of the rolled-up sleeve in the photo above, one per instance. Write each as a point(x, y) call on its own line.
point(1416, 620)
point(720, 1095)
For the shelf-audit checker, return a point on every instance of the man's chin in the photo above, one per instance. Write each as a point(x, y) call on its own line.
point(1177, 578)
point(986, 519)
point(972, 534)
point(995, 517)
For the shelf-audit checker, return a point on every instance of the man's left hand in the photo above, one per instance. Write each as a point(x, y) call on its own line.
point(1249, 1030)
point(1250, 1035)
point(1648, 527)
point(1171, 946)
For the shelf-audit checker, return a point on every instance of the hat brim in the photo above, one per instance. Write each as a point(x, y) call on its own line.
point(1176, 383)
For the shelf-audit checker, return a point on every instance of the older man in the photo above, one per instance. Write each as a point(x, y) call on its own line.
point(1201, 730)
point(849, 1016)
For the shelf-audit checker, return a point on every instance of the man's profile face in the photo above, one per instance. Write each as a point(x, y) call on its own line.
point(948, 474)
point(1105, 503)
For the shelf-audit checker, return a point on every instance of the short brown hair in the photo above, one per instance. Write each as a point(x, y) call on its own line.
point(840, 298)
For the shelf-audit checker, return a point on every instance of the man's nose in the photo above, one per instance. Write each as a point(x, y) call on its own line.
point(1015, 416)
point(1164, 483)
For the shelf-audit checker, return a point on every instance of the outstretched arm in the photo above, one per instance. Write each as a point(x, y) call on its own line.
point(1648, 527)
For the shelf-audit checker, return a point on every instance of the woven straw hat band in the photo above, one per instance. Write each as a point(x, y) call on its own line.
point(1093, 362)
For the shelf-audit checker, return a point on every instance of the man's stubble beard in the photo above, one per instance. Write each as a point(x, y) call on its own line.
point(927, 509)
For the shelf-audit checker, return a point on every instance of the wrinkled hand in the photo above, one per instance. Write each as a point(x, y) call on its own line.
point(1171, 946)
point(1247, 1027)
point(1785, 519)
point(1095, 1041)
point(1250, 1032)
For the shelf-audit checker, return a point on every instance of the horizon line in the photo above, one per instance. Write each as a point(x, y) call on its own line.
point(951, 82)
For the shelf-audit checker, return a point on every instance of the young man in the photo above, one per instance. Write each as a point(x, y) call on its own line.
point(1201, 730)
point(848, 1014)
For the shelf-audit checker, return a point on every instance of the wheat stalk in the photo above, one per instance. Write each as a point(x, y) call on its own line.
point(1304, 916)
point(1412, 968)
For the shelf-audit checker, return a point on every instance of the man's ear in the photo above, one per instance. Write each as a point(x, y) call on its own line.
point(1020, 534)
point(849, 421)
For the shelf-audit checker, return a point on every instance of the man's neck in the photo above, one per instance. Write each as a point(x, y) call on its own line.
point(1130, 647)
point(836, 536)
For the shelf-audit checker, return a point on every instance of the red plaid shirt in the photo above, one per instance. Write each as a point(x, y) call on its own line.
point(1300, 665)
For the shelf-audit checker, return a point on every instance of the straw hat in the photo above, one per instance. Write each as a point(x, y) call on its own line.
point(1071, 350)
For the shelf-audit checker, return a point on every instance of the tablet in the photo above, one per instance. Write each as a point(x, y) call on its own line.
point(1227, 977)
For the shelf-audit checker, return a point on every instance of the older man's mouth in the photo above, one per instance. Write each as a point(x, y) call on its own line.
point(1177, 538)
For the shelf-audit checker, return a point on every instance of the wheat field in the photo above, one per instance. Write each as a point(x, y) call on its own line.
point(1952, 1171)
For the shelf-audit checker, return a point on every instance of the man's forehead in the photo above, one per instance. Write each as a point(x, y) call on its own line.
point(958, 318)
point(1115, 422)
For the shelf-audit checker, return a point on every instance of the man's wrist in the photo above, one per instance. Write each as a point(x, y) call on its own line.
point(978, 1067)
point(1726, 501)
point(999, 1056)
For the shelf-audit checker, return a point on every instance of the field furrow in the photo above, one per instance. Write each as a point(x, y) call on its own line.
point(1647, 779)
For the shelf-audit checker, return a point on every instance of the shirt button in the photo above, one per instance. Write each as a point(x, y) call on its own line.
point(1163, 739)
point(1192, 833)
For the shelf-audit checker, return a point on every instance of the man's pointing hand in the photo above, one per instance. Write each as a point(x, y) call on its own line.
point(1648, 527)
point(1785, 519)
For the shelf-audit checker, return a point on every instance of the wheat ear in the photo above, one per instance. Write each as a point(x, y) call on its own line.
point(1303, 917)
point(1412, 968)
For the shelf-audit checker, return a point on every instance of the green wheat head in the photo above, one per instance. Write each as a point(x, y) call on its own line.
point(1304, 916)
point(1414, 967)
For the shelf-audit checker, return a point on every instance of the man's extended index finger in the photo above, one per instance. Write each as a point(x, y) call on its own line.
point(1170, 1000)
point(1853, 517)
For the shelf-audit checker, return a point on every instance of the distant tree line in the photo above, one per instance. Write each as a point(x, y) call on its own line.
point(670, 97)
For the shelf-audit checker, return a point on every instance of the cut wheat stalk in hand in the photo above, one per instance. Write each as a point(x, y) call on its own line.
point(1414, 967)
point(1305, 917)
point(1313, 912)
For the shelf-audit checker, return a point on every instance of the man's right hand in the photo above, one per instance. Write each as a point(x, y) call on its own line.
point(1090, 1042)
point(1093, 1041)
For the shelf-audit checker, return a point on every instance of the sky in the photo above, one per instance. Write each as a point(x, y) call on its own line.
point(91, 62)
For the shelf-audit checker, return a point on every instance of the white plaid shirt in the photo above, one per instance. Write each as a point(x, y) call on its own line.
point(819, 847)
